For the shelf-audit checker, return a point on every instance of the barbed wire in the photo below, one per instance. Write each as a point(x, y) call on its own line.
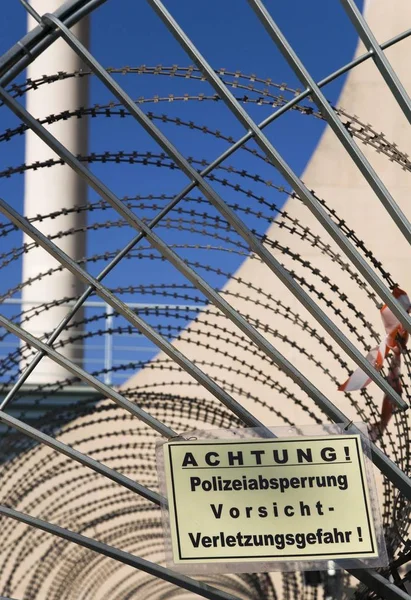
point(183, 407)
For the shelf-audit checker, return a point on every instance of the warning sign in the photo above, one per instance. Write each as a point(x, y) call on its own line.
point(283, 499)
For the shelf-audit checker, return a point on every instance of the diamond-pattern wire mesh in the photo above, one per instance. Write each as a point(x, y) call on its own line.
point(156, 409)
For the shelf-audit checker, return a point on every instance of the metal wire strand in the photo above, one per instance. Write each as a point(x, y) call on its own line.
point(369, 40)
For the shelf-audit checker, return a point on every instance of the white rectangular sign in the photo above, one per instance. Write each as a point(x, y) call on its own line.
point(268, 500)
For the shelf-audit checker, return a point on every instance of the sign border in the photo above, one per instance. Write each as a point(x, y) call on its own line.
point(271, 556)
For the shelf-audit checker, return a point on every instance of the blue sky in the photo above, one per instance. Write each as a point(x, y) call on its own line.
point(127, 32)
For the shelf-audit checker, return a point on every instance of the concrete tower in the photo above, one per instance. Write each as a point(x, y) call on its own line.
point(49, 190)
